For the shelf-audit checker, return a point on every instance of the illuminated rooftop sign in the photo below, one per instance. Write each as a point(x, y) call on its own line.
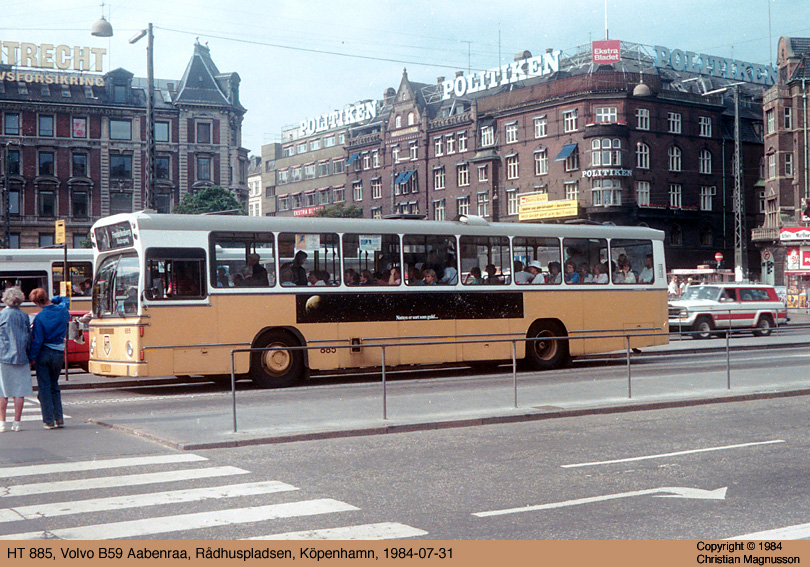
point(520, 70)
point(49, 56)
point(722, 67)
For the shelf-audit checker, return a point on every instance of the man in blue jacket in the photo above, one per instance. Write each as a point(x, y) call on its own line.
point(47, 351)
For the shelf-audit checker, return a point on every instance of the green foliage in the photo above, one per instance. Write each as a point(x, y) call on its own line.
point(341, 210)
point(209, 200)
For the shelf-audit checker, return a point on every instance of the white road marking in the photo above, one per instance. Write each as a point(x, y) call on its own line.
point(670, 492)
point(385, 530)
point(800, 531)
point(118, 481)
point(186, 522)
point(28, 470)
point(140, 500)
point(677, 453)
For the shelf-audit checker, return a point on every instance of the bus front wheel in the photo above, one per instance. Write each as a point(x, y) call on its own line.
point(545, 353)
point(276, 368)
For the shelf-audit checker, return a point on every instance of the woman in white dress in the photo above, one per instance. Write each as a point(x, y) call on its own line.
point(15, 370)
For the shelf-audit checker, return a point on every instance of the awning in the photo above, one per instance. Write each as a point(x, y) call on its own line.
point(398, 178)
point(406, 176)
point(566, 151)
point(352, 158)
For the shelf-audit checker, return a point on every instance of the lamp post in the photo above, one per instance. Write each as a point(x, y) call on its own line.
point(102, 28)
point(6, 196)
point(740, 247)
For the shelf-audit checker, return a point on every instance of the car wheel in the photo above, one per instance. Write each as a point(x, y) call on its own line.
point(702, 329)
point(764, 326)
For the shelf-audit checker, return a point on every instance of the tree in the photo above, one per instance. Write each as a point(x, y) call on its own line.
point(212, 199)
point(341, 210)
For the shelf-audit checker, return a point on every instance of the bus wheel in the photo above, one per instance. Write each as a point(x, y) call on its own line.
point(546, 354)
point(703, 328)
point(764, 325)
point(276, 368)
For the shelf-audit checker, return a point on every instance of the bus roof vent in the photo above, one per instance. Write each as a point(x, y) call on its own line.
point(472, 220)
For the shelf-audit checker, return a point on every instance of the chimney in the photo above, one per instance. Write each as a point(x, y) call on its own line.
point(439, 80)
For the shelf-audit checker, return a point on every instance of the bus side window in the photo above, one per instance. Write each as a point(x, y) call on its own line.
point(485, 260)
point(634, 261)
point(431, 255)
point(589, 258)
point(546, 251)
point(243, 260)
point(175, 273)
point(309, 258)
point(367, 254)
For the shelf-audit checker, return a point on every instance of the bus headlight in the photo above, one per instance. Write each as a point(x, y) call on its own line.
point(130, 349)
point(93, 346)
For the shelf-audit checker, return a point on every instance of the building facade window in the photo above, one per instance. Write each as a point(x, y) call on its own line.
point(414, 150)
point(512, 167)
point(439, 211)
point(483, 174)
point(705, 126)
point(14, 164)
point(642, 119)
point(79, 127)
point(770, 121)
point(706, 195)
point(339, 194)
point(120, 202)
point(357, 191)
point(462, 141)
point(512, 202)
point(571, 190)
point(463, 205)
point(14, 200)
point(438, 146)
point(540, 127)
point(79, 203)
point(329, 141)
point(45, 239)
point(608, 114)
point(771, 166)
point(395, 154)
point(463, 175)
point(705, 162)
point(674, 157)
point(675, 235)
point(483, 204)
point(675, 195)
point(572, 162)
point(204, 169)
point(674, 122)
point(204, 133)
point(11, 124)
point(541, 162)
point(511, 133)
point(788, 118)
point(338, 165)
point(642, 156)
point(606, 192)
point(79, 165)
point(46, 201)
point(161, 131)
point(487, 136)
point(46, 125)
point(120, 129)
point(162, 167)
point(788, 165)
point(570, 120)
point(606, 152)
point(643, 193)
point(376, 188)
point(46, 163)
point(450, 142)
point(439, 179)
point(323, 168)
point(376, 212)
point(310, 171)
point(315, 144)
point(288, 151)
point(120, 166)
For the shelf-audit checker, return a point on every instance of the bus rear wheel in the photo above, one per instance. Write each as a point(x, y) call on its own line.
point(276, 368)
point(545, 353)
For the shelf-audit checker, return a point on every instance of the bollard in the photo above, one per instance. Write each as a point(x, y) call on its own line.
point(514, 371)
point(629, 380)
point(385, 398)
point(728, 359)
point(233, 390)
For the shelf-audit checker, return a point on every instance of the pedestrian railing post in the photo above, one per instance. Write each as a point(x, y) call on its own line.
point(384, 387)
point(514, 371)
point(629, 378)
point(728, 359)
point(233, 390)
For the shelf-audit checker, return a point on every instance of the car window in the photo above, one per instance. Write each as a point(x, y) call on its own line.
point(755, 295)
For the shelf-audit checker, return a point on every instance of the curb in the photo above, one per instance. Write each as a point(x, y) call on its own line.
point(450, 424)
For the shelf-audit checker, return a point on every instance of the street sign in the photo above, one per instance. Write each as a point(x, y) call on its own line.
point(59, 232)
point(719, 256)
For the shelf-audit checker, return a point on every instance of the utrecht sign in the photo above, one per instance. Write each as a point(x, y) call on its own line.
point(47, 56)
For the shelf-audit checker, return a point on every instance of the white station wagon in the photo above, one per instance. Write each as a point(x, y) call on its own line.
point(706, 308)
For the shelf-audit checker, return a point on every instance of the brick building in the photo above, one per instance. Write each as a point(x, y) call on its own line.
point(74, 144)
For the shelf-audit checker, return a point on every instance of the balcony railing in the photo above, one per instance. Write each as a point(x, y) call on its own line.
point(762, 234)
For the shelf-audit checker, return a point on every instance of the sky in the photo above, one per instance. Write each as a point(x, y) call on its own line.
point(298, 59)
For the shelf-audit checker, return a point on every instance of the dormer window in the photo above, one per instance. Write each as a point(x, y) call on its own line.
point(411, 119)
point(398, 122)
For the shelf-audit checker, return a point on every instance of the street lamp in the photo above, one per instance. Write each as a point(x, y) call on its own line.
point(102, 28)
point(740, 252)
point(150, 115)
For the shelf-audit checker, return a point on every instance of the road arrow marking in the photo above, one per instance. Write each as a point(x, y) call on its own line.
point(665, 492)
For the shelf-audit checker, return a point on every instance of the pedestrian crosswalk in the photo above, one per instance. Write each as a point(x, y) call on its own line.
point(154, 495)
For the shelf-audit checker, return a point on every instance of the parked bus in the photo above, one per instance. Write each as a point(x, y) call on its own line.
point(174, 294)
point(31, 268)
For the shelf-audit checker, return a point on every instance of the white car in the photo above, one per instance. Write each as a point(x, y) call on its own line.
point(704, 309)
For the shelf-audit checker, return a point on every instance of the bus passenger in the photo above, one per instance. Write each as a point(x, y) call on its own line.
point(429, 276)
point(646, 275)
point(474, 277)
point(366, 278)
point(492, 275)
point(519, 275)
point(600, 274)
point(222, 277)
point(350, 277)
point(535, 272)
point(415, 276)
point(298, 270)
point(571, 274)
point(554, 275)
point(258, 274)
point(395, 278)
point(585, 275)
point(450, 274)
point(626, 274)
point(317, 278)
point(285, 275)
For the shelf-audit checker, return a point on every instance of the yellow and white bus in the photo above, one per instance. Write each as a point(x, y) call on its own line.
point(175, 294)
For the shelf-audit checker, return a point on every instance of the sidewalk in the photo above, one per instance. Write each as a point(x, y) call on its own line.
point(324, 411)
